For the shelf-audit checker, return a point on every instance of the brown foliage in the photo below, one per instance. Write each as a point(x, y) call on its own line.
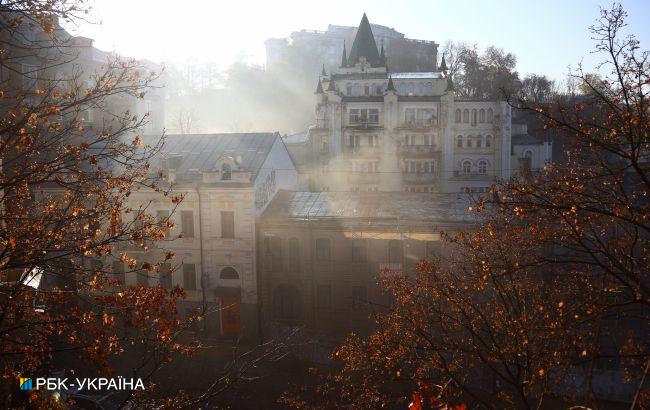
point(552, 287)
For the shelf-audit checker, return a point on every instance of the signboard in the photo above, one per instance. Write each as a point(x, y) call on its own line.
point(390, 268)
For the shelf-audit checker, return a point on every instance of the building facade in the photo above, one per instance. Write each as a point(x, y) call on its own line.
point(378, 130)
point(321, 253)
point(227, 181)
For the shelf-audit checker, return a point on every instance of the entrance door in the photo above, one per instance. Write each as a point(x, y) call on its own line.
point(230, 316)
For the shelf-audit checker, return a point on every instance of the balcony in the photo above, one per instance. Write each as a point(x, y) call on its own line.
point(420, 178)
point(472, 175)
point(363, 178)
point(419, 123)
point(363, 123)
point(363, 149)
point(417, 150)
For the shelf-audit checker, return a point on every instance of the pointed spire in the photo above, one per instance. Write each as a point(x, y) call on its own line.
point(443, 65)
point(319, 87)
point(391, 86)
point(382, 54)
point(331, 86)
point(364, 45)
point(323, 73)
point(450, 84)
point(344, 59)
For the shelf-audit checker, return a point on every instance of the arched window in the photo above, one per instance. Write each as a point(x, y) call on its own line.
point(481, 115)
point(411, 89)
point(421, 88)
point(469, 141)
point(467, 166)
point(229, 273)
point(479, 141)
point(490, 115)
point(226, 172)
point(457, 116)
point(459, 141)
point(401, 89)
point(466, 115)
point(395, 251)
point(528, 153)
point(474, 116)
point(482, 167)
point(488, 141)
point(294, 255)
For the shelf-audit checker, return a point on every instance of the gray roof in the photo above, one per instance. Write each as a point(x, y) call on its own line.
point(201, 151)
point(296, 138)
point(403, 206)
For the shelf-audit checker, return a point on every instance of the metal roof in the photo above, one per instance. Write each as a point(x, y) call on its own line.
point(403, 206)
point(201, 151)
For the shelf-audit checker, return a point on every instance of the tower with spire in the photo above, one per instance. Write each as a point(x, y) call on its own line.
point(379, 130)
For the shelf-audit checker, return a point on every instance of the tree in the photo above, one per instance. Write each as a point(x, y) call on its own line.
point(550, 292)
point(71, 157)
point(537, 88)
point(185, 121)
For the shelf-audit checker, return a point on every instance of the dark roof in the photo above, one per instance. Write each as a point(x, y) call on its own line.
point(404, 206)
point(443, 64)
point(202, 151)
point(331, 86)
point(344, 59)
point(364, 45)
point(319, 87)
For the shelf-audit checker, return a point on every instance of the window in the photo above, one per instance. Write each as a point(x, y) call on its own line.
point(226, 172)
point(490, 115)
point(348, 89)
point(187, 224)
point(411, 89)
point(163, 217)
point(373, 115)
point(467, 166)
point(418, 116)
point(432, 167)
point(421, 89)
point(427, 140)
point(359, 297)
point(373, 140)
point(276, 254)
point(366, 89)
point(324, 296)
point(294, 255)
point(229, 273)
point(474, 116)
point(465, 115)
point(363, 115)
point(469, 141)
point(395, 251)
point(488, 141)
point(479, 141)
point(29, 76)
point(482, 167)
point(323, 252)
point(358, 250)
point(459, 141)
point(142, 278)
point(227, 224)
point(457, 115)
point(481, 115)
point(528, 154)
point(189, 276)
point(286, 302)
point(430, 88)
point(166, 276)
point(118, 271)
point(433, 249)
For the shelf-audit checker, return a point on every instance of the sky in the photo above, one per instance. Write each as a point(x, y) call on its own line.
point(547, 36)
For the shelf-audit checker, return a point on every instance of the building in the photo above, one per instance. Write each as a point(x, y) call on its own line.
point(321, 253)
point(380, 130)
point(227, 181)
point(303, 47)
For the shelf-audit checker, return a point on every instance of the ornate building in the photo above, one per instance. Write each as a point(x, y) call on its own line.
point(378, 130)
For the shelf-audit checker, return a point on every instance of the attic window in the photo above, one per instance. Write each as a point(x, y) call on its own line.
point(226, 172)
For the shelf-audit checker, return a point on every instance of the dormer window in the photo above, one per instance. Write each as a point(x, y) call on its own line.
point(226, 172)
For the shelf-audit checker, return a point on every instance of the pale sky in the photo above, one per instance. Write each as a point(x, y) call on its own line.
point(546, 35)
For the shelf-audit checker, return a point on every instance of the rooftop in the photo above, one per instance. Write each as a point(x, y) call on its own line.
point(400, 206)
point(200, 152)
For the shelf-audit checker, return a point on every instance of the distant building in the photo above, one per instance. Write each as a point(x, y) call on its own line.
point(405, 54)
point(228, 180)
point(382, 130)
point(320, 253)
